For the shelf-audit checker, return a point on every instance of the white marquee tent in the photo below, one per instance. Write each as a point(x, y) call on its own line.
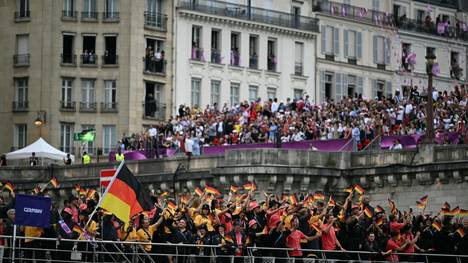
point(41, 149)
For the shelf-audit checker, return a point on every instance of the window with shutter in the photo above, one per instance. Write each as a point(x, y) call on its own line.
point(329, 40)
point(338, 87)
point(336, 41)
point(359, 45)
point(360, 86)
point(322, 86)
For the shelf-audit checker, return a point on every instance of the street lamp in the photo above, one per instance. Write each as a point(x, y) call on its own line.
point(430, 62)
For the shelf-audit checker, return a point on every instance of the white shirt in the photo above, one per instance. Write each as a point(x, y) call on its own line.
point(408, 108)
point(152, 132)
point(396, 147)
point(188, 145)
point(274, 107)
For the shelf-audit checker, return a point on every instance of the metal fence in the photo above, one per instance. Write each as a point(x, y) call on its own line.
point(41, 250)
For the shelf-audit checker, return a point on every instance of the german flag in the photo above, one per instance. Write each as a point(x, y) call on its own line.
point(199, 191)
point(446, 206)
point(445, 212)
point(424, 199)
point(455, 211)
point(359, 189)
point(234, 188)
point(82, 192)
point(463, 212)
point(171, 206)
point(125, 197)
point(341, 215)
point(228, 239)
point(437, 226)
point(331, 202)
point(250, 186)
point(293, 199)
point(54, 182)
point(368, 212)
point(77, 229)
point(379, 221)
point(10, 187)
point(319, 197)
point(91, 194)
point(348, 190)
point(212, 190)
point(420, 204)
point(461, 232)
point(378, 209)
point(315, 227)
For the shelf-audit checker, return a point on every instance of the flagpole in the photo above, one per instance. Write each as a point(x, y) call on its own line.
point(102, 196)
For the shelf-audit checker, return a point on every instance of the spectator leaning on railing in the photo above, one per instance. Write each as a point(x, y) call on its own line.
point(300, 119)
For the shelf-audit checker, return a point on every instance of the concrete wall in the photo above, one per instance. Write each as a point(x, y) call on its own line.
point(405, 176)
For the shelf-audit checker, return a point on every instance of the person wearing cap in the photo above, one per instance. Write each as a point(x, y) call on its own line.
point(85, 159)
point(239, 238)
point(356, 228)
point(294, 237)
point(205, 218)
point(119, 156)
point(225, 243)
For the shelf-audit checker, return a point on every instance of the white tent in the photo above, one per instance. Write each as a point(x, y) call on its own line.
point(41, 149)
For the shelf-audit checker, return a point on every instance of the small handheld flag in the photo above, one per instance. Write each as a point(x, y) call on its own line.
point(437, 226)
point(359, 189)
point(10, 187)
point(54, 182)
point(212, 190)
point(368, 212)
point(234, 188)
point(198, 191)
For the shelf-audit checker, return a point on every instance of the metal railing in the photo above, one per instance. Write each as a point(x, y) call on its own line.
point(355, 13)
point(21, 59)
point(431, 28)
point(88, 106)
point(216, 56)
point(108, 106)
point(110, 59)
point(88, 59)
point(156, 20)
point(253, 62)
point(26, 249)
point(197, 54)
point(68, 59)
point(110, 16)
point(299, 68)
point(67, 106)
point(253, 14)
point(154, 66)
point(154, 110)
point(87, 16)
point(20, 105)
point(69, 15)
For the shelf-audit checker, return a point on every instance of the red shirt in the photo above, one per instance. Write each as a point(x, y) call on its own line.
point(409, 248)
point(392, 245)
point(328, 239)
point(294, 241)
point(395, 227)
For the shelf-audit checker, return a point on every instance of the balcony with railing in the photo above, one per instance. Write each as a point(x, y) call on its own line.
point(21, 60)
point(68, 106)
point(88, 60)
point(68, 60)
point(109, 107)
point(88, 106)
point(441, 29)
point(355, 13)
point(89, 16)
point(253, 14)
point(110, 17)
point(456, 72)
point(154, 111)
point(253, 62)
point(20, 106)
point(22, 16)
point(154, 66)
point(298, 68)
point(215, 56)
point(197, 54)
point(156, 21)
point(68, 15)
point(110, 60)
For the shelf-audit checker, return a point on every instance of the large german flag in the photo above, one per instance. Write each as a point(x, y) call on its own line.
point(125, 197)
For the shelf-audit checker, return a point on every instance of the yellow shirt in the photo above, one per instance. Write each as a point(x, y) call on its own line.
point(90, 230)
point(129, 236)
point(200, 220)
point(86, 159)
point(119, 157)
point(31, 231)
point(146, 235)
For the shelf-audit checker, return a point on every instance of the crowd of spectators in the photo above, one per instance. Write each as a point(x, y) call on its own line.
point(300, 119)
point(238, 220)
